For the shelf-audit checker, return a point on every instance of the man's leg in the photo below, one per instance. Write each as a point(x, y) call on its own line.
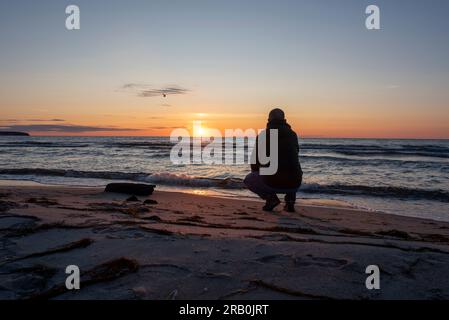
point(254, 183)
point(290, 198)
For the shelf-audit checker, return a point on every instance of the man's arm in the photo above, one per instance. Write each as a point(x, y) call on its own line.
point(256, 165)
point(296, 143)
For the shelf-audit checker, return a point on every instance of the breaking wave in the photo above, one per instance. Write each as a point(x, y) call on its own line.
point(172, 179)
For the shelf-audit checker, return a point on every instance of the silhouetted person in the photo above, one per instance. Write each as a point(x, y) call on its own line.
point(288, 176)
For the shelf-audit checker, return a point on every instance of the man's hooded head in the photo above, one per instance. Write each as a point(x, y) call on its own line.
point(276, 115)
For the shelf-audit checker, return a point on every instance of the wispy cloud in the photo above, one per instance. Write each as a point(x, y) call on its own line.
point(165, 128)
point(69, 128)
point(33, 120)
point(46, 120)
point(9, 120)
point(147, 91)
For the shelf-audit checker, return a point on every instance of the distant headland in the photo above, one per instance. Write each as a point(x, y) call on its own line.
point(13, 133)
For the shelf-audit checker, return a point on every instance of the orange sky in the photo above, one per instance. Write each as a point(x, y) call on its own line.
point(306, 126)
point(160, 67)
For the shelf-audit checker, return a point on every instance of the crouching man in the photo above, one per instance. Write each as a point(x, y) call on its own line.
point(287, 177)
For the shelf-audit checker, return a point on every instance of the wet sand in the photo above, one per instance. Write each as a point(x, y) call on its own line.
point(189, 246)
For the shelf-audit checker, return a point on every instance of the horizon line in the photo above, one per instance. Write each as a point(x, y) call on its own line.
point(301, 137)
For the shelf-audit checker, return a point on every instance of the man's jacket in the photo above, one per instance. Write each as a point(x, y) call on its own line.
point(289, 172)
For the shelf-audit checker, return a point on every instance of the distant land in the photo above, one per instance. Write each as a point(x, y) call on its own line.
point(12, 133)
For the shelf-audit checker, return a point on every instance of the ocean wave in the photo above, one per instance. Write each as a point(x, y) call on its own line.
point(164, 178)
point(38, 144)
point(370, 150)
point(164, 145)
point(189, 181)
point(361, 153)
point(365, 150)
point(141, 145)
point(108, 175)
point(342, 160)
point(172, 179)
point(377, 191)
point(430, 148)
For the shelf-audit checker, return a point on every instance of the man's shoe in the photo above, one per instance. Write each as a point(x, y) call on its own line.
point(271, 203)
point(289, 207)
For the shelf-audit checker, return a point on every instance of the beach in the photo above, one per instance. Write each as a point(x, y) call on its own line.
point(193, 246)
point(403, 177)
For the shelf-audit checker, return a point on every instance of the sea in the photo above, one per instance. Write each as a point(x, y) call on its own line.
point(402, 177)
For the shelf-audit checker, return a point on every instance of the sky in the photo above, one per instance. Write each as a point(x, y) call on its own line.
point(147, 67)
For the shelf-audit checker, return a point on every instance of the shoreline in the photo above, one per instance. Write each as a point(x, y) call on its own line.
point(206, 192)
point(304, 203)
point(322, 201)
point(186, 246)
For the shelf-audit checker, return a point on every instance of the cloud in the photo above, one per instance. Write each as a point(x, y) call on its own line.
point(33, 120)
point(69, 128)
point(146, 91)
point(164, 128)
point(9, 120)
point(46, 120)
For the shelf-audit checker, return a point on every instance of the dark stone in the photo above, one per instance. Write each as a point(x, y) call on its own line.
point(150, 201)
point(154, 218)
point(132, 199)
point(139, 189)
point(12, 133)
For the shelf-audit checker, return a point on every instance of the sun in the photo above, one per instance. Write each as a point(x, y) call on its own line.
point(200, 131)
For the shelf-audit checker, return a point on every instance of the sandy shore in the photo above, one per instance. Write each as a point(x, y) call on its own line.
point(199, 247)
